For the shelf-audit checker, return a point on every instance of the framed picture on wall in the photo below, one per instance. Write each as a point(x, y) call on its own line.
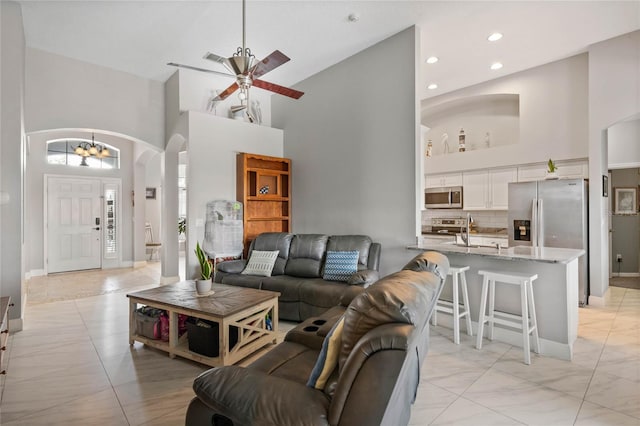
point(626, 200)
point(151, 193)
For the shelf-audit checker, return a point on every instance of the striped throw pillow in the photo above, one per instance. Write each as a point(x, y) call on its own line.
point(340, 265)
point(261, 263)
point(328, 357)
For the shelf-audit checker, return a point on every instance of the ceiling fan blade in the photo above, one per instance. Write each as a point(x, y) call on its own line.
point(215, 58)
point(189, 67)
point(225, 94)
point(281, 90)
point(274, 60)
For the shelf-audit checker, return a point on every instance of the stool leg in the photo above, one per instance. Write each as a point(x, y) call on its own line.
point(492, 302)
point(465, 300)
point(525, 323)
point(456, 311)
point(481, 316)
point(534, 321)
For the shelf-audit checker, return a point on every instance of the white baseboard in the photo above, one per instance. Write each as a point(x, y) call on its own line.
point(34, 273)
point(625, 274)
point(597, 301)
point(15, 325)
point(547, 347)
point(169, 280)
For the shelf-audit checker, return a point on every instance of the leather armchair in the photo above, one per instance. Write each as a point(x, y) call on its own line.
point(384, 342)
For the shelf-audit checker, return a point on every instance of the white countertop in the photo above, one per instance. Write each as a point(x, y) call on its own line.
point(534, 254)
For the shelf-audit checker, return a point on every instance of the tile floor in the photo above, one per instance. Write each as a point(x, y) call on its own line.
point(72, 365)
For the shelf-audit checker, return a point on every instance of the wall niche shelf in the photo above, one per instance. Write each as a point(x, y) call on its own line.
point(488, 121)
point(264, 187)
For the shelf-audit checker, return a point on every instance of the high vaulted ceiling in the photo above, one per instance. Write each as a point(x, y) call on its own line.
point(140, 37)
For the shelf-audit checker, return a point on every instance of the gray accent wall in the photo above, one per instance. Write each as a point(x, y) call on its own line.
point(12, 60)
point(626, 228)
point(352, 142)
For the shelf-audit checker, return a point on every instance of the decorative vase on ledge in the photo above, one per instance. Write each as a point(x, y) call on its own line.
point(551, 176)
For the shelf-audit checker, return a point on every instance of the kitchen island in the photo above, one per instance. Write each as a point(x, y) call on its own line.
point(555, 290)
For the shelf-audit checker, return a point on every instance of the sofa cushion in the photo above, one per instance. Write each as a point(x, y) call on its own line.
point(261, 263)
point(288, 360)
point(305, 255)
point(250, 281)
point(340, 265)
point(287, 286)
point(325, 294)
point(328, 357)
point(361, 243)
point(269, 241)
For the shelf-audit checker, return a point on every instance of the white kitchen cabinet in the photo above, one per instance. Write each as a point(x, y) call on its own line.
point(488, 189)
point(446, 179)
point(566, 170)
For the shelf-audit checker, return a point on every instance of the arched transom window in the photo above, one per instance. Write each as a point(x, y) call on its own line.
point(83, 152)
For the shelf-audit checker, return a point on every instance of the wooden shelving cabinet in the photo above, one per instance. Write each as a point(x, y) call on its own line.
point(264, 187)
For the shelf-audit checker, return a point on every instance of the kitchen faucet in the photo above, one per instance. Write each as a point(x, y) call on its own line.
point(464, 231)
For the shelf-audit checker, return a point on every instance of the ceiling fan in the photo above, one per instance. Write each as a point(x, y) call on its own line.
point(243, 67)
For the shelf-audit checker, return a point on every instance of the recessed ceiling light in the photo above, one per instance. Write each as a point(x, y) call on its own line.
point(496, 66)
point(494, 37)
point(432, 59)
point(432, 86)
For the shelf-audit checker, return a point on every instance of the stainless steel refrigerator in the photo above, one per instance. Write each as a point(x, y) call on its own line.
point(552, 213)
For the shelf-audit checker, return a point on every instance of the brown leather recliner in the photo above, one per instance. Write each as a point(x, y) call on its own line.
point(384, 341)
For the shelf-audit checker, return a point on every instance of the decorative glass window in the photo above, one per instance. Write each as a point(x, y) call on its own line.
point(63, 151)
point(111, 221)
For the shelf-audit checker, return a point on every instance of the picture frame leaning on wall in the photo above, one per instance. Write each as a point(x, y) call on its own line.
point(626, 201)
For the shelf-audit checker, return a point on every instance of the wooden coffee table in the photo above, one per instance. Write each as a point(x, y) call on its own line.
point(229, 306)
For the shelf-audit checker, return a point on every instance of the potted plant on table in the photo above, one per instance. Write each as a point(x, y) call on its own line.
point(203, 285)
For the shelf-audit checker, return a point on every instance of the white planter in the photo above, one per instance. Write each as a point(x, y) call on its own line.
point(552, 175)
point(203, 286)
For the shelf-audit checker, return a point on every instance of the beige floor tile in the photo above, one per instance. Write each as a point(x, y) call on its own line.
point(615, 393)
point(465, 412)
point(431, 402)
point(101, 408)
point(595, 415)
point(523, 400)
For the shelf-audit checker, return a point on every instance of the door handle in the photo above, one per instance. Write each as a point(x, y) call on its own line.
point(97, 228)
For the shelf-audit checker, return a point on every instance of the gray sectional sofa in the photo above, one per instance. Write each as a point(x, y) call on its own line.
point(298, 270)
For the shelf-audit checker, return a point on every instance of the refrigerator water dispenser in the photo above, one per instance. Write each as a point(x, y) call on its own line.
point(522, 230)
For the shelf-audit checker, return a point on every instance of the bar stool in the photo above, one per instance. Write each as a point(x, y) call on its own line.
point(526, 322)
point(453, 308)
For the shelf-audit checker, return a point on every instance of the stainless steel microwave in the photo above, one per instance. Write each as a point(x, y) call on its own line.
point(443, 198)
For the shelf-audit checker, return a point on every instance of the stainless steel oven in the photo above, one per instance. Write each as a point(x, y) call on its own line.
point(443, 198)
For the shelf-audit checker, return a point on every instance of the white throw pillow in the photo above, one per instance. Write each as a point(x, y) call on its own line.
point(261, 263)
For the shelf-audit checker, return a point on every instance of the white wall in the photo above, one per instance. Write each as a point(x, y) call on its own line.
point(66, 93)
point(624, 144)
point(352, 139)
point(213, 143)
point(12, 65)
point(37, 167)
point(553, 117)
point(614, 95)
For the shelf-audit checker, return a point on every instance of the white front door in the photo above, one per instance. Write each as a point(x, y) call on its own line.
point(74, 224)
